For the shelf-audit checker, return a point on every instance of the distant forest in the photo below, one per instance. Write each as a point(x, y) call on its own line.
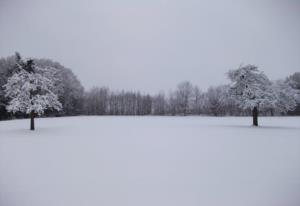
point(185, 99)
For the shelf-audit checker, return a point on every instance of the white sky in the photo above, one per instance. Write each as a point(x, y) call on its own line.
point(153, 45)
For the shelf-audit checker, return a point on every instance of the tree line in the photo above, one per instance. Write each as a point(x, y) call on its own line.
point(185, 99)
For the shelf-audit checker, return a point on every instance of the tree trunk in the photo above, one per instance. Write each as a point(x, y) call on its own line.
point(272, 112)
point(31, 120)
point(255, 116)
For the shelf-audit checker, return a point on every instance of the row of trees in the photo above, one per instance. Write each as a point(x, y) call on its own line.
point(186, 99)
point(273, 98)
point(250, 91)
point(100, 101)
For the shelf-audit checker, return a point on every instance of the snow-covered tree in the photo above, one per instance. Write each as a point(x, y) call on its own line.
point(68, 88)
point(294, 81)
point(30, 90)
point(286, 97)
point(251, 89)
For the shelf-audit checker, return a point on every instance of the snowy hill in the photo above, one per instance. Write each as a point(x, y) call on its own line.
point(147, 161)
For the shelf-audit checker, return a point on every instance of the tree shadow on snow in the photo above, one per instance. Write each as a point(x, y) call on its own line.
point(38, 132)
point(262, 127)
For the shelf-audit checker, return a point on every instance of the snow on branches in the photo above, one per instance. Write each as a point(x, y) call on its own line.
point(30, 89)
point(251, 88)
point(286, 97)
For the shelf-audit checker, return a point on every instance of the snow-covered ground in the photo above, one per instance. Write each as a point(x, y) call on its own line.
point(150, 161)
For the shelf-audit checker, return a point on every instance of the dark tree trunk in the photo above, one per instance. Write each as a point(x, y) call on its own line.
point(272, 112)
point(255, 116)
point(31, 120)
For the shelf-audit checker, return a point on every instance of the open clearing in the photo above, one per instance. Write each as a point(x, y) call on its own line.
point(150, 161)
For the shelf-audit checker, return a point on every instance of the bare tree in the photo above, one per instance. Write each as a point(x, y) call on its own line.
point(159, 104)
point(96, 101)
point(214, 101)
point(198, 101)
point(183, 97)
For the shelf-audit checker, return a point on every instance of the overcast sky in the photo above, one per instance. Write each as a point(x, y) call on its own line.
point(151, 45)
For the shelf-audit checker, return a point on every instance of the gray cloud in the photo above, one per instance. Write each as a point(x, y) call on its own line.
point(152, 45)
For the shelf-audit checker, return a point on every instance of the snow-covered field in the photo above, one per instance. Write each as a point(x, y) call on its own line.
point(150, 161)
